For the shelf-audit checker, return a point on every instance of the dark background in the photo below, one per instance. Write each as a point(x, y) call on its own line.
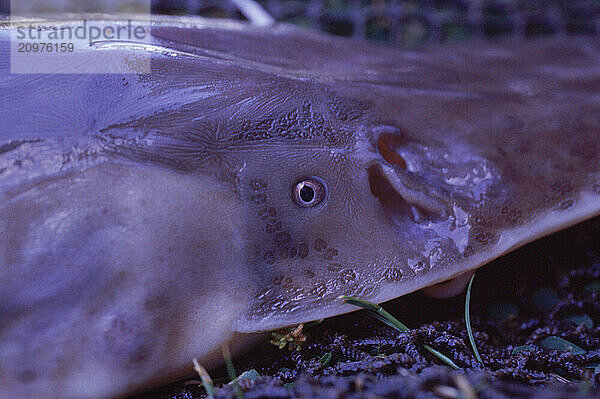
point(410, 22)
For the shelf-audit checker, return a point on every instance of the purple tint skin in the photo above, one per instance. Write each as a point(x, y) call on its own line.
point(149, 219)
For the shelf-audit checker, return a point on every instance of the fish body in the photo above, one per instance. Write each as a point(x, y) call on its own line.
point(255, 175)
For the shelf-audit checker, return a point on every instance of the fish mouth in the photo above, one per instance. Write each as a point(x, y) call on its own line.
point(405, 195)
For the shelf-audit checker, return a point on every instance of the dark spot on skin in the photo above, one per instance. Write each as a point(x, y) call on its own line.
point(347, 275)
point(278, 280)
point(292, 252)
point(330, 136)
point(27, 376)
point(482, 238)
point(351, 289)
point(345, 110)
point(320, 245)
point(566, 204)
point(306, 108)
point(265, 213)
point(338, 111)
point(269, 257)
point(419, 265)
point(481, 221)
point(319, 290)
point(560, 189)
point(265, 124)
point(259, 199)
point(258, 185)
point(296, 125)
point(468, 251)
point(303, 250)
point(334, 267)
point(282, 238)
point(308, 273)
point(283, 282)
point(330, 254)
point(367, 291)
point(510, 213)
point(273, 226)
point(284, 253)
point(513, 215)
point(263, 293)
point(393, 274)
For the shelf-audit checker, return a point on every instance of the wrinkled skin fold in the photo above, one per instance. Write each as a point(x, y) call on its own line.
point(148, 219)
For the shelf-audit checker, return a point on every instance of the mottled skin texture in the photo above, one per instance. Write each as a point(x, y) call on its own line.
point(146, 219)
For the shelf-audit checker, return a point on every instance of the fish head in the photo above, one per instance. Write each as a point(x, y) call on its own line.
point(367, 212)
point(371, 180)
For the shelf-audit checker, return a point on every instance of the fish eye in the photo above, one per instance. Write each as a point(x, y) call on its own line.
point(309, 192)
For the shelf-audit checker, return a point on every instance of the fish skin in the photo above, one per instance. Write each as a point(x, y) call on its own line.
point(146, 220)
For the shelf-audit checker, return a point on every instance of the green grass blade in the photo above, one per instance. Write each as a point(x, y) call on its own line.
point(441, 356)
point(325, 359)
point(385, 317)
point(231, 372)
point(468, 321)
point(376, 311)
point(206, 380)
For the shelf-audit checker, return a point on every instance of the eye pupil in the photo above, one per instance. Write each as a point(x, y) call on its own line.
point(307, 194)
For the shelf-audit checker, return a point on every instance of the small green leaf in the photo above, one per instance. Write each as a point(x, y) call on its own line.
point(545, 298)
point(251, 375)
point(325, 359)
point(560, 344)
point(522, 348)
point(581, 319)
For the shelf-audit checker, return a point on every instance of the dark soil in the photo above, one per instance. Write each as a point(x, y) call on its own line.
point(550, 288)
